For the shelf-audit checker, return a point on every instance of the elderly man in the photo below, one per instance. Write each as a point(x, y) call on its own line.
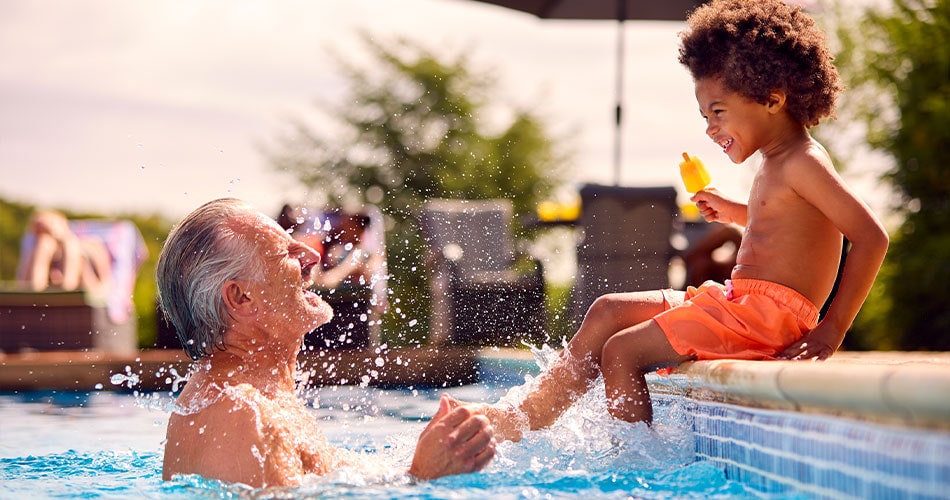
point(236, 288)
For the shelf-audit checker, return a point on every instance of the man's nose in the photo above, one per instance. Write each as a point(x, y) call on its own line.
point(308, 256)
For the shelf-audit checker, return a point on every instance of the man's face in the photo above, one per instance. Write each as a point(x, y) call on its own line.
point(288, 306)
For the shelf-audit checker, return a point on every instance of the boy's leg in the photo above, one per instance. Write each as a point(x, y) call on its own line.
point(627, 357)
point(570, 376)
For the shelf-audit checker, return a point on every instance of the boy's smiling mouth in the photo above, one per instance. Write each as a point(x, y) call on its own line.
point(725, 144)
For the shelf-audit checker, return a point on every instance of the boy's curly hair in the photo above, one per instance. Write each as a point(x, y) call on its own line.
point(758, 46)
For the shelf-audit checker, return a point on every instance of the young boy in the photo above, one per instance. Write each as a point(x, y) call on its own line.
point(763, 76)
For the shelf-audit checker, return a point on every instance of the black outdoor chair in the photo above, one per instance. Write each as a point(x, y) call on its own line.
point(625, 243)
point(479, 295)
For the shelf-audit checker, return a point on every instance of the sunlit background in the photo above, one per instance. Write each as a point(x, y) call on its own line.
point(133, 106)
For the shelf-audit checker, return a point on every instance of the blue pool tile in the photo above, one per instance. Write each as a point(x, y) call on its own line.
point(774, 451)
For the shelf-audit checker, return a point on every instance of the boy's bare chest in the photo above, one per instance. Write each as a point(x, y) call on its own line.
point(771, 198)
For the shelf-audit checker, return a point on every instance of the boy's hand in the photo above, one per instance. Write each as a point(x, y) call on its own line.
point(714, 207)
point(508, 422)
point(817, 344)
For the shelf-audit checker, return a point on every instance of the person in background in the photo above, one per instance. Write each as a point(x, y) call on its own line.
point(303, 225)
point(236, 286)
point(713, 256)
point(346, 261)
point(349, 259)
point(61, 259)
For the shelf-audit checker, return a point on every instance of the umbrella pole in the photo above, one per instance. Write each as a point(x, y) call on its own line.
point(618, 129)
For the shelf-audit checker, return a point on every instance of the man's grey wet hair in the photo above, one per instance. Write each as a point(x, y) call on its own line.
point(200, 255)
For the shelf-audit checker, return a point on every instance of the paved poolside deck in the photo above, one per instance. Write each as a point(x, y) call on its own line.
point(158, 369)
point(906, 388)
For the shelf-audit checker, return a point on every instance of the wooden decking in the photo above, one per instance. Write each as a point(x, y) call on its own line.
point(160, 369)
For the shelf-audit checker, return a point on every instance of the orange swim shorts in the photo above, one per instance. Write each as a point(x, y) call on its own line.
point(742, 319)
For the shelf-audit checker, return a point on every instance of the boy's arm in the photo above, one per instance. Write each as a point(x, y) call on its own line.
point(820, 185)
point(715, 207)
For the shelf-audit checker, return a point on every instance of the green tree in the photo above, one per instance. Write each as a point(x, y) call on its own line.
point(897, 63)
point(415, 126)
point(13, 218)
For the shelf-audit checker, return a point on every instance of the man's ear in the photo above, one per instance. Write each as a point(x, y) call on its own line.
point(238, 299)
point(776, 101)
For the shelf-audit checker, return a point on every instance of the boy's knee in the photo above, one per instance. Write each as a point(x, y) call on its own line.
point(617, 352)
point(604, 307)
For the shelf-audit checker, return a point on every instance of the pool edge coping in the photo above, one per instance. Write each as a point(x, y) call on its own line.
point(908, 389)
point(894, 387)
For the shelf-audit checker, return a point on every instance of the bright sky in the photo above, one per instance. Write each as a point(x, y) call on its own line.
point(142, 106)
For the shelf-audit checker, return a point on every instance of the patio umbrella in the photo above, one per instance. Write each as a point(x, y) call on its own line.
point(619, 10)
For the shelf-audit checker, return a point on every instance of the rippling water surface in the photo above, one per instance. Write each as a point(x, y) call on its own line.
point(109, 445)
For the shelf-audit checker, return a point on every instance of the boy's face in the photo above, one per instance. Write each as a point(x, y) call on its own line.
point(734, 122)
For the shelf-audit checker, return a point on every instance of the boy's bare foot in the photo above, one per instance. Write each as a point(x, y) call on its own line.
point(509, 422)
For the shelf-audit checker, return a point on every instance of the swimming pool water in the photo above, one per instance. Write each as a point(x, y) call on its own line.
point(108, 445)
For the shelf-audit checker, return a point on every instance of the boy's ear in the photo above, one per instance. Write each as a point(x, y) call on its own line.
point(776, 101)
point(237, 299)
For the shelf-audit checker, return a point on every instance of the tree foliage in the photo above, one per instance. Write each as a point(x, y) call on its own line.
point(416, 126)
point(897, 61)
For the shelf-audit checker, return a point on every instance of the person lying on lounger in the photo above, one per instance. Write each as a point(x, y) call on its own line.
point(63, 260)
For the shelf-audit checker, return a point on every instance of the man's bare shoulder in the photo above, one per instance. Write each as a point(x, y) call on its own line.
point(216, 433)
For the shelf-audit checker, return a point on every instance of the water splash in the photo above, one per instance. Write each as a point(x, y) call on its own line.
point(587, 438)
point(171, 377)
point(129, 378)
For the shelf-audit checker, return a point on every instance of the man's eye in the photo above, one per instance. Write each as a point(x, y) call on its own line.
point(296, 254)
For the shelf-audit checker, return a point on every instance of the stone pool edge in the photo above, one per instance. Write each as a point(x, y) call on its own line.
point(902, 388)
point(894, 387)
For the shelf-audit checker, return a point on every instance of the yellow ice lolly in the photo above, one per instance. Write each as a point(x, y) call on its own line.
point(694, 173)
